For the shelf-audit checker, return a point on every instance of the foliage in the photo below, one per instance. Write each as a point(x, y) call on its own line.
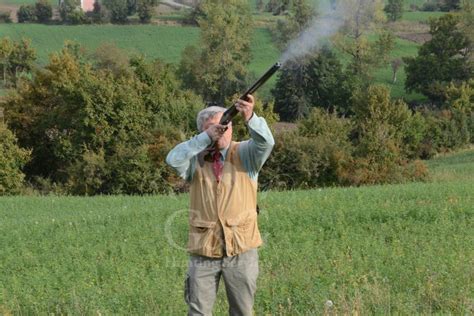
point(446, 130)
point(12, 160)
point(17, 58)
point(145, 9)
point(119, 10)
point(67, 9)
point(5, 17)
point(311, 156)
point(218, 70)
point(387, 135)
point(430, 6)
point(452, 127)
point(449, 5)
point(105, 147)
point(26, 13)
point(277, 7)
point(443, 59)
point(361, 19)
point(316, 81)
point(43, 11)
point(297, 19)
point(394, 9)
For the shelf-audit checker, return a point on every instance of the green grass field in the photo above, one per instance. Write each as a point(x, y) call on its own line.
point(393, 249)
point(421, 16)
point(164, 42)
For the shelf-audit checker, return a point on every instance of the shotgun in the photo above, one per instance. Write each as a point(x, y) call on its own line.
point(231, 112)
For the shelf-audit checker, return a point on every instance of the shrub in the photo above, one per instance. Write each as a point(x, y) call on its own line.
point(92, 129)
point(387, 134)
point(71, 12)
point(430, 6)
point(26, 13)
point(312, 156)
point(446, 130)
point(43, 11)
point(5, 17)
point(12, 160)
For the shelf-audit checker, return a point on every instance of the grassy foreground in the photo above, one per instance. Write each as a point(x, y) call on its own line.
point(402, 249)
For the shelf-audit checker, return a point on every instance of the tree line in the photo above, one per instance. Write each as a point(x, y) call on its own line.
point(102, 122)
point(105, 11)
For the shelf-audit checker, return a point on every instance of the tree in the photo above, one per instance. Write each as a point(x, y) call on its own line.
point(119, 10)
point(396, 64)
point(277, 7)
point(43, 11)
point(94, 130)
point(298, 18)
point(67, 9)
point(6, 49)
point(290, 92)
point(12, 160)
point(316, 81)
point(448, 5)
point(360, 19)
point(26, 13)
point(219, 70)
point(145, 9)
point(394, 9)
point(17, 58)
point(387, 135)
point(443, 59)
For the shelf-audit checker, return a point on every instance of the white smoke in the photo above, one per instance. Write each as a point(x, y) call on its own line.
point(311, 39)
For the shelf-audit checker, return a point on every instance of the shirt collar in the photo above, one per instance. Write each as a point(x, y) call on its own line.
point(224, 152)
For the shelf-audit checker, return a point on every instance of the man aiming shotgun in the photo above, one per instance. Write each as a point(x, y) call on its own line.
point(223, 229)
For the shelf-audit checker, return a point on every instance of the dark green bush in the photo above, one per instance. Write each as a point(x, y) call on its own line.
point(43, 11)
point(430, 6)
point(26, 13)
point(5, 17)
point(311, 156)
point(446, 130)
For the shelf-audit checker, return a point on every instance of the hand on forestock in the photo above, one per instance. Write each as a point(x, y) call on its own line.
point(216, 131)
point(246, 107)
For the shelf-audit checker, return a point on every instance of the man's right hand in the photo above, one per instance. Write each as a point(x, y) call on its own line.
point(216, 131)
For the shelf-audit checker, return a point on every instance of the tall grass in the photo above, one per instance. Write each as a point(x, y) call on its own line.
point(394, 249)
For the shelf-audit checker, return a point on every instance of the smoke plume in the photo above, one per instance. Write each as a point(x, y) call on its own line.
point(311, 39)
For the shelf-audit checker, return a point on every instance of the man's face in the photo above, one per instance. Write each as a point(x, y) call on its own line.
point(224, 141)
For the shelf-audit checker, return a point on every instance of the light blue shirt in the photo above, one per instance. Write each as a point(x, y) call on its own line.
point(253, 152)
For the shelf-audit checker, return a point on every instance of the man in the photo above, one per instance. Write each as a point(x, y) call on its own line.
point(223, 232)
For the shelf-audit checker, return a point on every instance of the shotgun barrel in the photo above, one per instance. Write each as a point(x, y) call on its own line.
point(232, 111)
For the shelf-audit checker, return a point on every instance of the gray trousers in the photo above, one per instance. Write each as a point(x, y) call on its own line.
point(240, 277)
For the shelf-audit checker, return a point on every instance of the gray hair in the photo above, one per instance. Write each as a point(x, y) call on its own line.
point(206, 114)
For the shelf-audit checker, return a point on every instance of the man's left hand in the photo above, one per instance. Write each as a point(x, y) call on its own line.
point(246, 107)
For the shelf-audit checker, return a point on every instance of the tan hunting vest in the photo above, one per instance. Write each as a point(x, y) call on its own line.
point(223, 212)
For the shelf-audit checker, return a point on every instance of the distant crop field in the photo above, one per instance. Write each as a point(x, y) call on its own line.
point(20, 2)
point(164, 42)
point(394, 249)
point(421, 16)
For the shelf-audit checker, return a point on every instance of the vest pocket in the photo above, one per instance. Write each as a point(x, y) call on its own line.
point(200, 235)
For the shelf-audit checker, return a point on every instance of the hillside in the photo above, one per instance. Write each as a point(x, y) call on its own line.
point(392, 249)
point(168, 42)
